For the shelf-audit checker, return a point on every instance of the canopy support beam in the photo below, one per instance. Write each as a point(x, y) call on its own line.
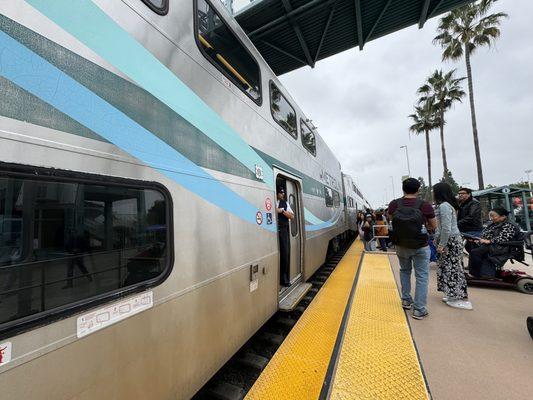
point(359, 23)
point(298, 32)
point(330, 17)
point(378, 20)
point(283, 52)
point(424, 14)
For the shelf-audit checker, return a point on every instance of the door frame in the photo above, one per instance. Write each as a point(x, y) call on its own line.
point(280, 172)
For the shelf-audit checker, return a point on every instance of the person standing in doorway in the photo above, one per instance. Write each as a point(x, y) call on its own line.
point(412, 218)
point(285, 214)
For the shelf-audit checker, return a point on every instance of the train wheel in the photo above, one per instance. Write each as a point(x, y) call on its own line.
point(525, 285)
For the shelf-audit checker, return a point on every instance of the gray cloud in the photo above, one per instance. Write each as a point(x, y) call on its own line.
point(360, 102)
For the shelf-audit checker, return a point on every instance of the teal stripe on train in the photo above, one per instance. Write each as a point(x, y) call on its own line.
point(89, 24)
point(129, 98)
point(42, 79)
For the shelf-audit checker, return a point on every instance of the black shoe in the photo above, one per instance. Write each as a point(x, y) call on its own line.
point(406, 304)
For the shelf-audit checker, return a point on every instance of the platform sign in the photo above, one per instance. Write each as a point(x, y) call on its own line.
point(115, 312)
point(259, 218)
point(5, 353)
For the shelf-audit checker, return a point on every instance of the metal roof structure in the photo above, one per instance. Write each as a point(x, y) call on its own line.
point(294, 33)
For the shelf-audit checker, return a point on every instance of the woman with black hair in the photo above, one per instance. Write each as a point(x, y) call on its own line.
point(484, 259)
point(451, 279)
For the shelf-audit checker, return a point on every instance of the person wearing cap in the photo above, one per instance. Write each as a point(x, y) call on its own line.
point(285, 214)
point(483, 260)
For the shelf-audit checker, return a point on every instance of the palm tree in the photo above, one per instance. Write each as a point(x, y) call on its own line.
point(425, 120)
point(463, 31)
point(443, 90)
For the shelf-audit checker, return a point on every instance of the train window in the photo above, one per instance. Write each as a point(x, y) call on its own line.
point(328, 194)
point(158, 6)
point(226, 52)
point(308, 138)
point(282, 111)
point(294, 222)
point(336, 199)
point(66, 243)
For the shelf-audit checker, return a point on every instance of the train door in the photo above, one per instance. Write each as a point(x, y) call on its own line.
point(293, 200)
point(290, 274)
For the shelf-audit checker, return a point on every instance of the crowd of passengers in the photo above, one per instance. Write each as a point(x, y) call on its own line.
point(423, 233)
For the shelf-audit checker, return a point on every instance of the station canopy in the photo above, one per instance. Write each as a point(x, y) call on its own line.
point(294, 33)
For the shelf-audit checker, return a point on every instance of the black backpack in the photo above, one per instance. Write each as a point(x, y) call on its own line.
point(407, 224)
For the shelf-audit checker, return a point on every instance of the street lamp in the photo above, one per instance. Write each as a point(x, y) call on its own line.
point(528, 171)
point(407, 155)
point(392, 181)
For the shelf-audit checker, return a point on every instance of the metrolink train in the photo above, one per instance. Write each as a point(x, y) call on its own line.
point(141, 145)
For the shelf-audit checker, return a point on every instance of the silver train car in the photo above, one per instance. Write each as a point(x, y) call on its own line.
point(141, 144)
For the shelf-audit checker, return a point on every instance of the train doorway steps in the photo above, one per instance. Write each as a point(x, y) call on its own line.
point(293, 298)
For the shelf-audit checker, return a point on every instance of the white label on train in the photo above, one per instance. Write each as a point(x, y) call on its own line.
point(108, 315)
point(5, 353)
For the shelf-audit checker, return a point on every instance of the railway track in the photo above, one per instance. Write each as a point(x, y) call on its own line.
point(238, 375)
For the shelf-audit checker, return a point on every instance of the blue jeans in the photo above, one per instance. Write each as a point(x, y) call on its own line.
point(419, 258)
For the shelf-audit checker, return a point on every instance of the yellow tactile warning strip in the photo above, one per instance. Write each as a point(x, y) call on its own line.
point(378, 359)
point(298, 368)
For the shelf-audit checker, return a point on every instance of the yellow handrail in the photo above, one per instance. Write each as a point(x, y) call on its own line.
point(225, 62)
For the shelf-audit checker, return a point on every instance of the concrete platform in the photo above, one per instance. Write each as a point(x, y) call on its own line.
point(485, 353)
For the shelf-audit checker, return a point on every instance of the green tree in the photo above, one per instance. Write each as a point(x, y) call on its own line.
point(425, 193)
point(443, 90)
point(462, 32)
point(425, 120)
point(448, 178)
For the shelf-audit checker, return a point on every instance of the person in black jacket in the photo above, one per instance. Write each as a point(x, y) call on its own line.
point(469, 214)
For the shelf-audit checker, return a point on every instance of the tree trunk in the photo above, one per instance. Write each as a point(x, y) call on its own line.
point(473, 115)
point(428, 151)
point(442, 148)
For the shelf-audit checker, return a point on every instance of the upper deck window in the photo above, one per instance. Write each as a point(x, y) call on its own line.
point(158, 6)
point(282, 111)
point(226, 52)
point(308, 138)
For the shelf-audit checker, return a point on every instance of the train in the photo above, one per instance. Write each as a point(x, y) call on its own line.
point(141, 145)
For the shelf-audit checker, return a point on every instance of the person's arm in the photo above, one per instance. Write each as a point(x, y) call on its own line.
point(431, 224)
point(445, 228)
point(288, 212)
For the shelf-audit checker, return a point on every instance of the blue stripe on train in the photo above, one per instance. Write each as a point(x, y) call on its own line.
point(94, 28)
point(37, 76)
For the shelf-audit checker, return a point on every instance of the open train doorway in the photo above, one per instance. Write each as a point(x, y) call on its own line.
point(290, 238)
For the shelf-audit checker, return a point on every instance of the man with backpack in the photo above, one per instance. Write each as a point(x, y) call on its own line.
point(412, 218)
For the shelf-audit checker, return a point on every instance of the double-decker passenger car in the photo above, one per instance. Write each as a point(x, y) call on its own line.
point(141, 144)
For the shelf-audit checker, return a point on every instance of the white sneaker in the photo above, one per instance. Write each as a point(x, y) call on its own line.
point(462, 304)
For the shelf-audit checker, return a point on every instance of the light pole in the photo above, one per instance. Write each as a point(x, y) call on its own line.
point(528, 171)
point(392, 181)
point(407, 155)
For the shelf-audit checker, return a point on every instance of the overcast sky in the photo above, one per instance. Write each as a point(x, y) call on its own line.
point(360, 102)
